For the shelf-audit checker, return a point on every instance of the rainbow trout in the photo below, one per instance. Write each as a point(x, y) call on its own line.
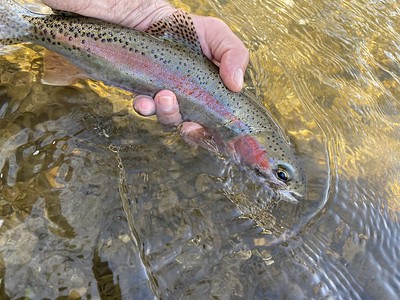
point(145, 64)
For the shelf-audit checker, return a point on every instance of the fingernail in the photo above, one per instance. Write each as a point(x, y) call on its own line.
point(166, 102)
point(144, 105)
point(238, 77)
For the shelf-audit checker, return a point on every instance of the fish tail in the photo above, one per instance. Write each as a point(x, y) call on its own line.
point(12, 22)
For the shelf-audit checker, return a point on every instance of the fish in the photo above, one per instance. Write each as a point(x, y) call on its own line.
point(168, 56)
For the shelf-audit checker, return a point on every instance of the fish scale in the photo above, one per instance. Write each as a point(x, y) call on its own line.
point(145, 64)
point(92, 49)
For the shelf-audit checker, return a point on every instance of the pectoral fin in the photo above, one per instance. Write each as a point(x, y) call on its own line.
point(194, 134)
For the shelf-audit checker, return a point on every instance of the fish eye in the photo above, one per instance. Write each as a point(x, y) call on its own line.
point(284, 172)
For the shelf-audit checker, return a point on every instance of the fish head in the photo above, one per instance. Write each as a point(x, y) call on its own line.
point(285, 169)
point(287, 175)
point(274, 162)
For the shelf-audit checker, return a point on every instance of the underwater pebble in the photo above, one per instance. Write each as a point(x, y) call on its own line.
point(203, 183)
point(168, 199)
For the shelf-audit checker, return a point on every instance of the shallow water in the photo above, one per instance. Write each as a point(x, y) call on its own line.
point(97, 201)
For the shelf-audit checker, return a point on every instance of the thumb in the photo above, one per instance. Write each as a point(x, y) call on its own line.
point(222, 46)
point(232, 67)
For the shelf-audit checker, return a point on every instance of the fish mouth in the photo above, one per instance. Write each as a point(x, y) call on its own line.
point(281, 190)
point(289, 196)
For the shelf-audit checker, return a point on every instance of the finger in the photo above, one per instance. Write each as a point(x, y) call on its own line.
point(144, 105)
point(222, 46)
point(73, 6)
point(233, 64)
point(167, 108)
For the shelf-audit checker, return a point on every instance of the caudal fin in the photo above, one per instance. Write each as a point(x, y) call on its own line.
point(12, 22)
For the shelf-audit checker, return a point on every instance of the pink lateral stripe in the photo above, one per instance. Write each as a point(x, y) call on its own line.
point(151, 68)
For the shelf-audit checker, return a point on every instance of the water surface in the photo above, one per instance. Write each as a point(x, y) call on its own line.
point(97, 201)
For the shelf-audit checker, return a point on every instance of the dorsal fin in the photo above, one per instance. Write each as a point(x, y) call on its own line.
point(178, 27)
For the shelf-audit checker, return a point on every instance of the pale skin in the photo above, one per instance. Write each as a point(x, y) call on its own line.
point(217, 41)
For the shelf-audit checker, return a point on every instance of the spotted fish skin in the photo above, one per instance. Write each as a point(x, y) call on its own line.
point(142, 63)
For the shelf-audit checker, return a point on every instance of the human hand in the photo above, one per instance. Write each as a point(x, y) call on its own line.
point(217, 41)
point(221, 45)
